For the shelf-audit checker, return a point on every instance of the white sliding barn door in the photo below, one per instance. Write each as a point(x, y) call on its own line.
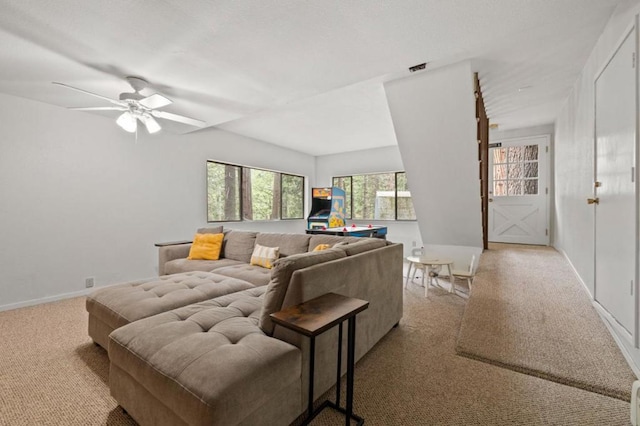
point(615, 187)
point(518, 191)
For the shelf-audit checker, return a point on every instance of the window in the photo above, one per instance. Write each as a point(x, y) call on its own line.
point(381, 196)
point(237, 193)
point(223, 192)
point(515, 170)
point(292, 196)
point(404, 201)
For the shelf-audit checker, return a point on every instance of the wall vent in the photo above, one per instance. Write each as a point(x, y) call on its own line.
point(418, 67)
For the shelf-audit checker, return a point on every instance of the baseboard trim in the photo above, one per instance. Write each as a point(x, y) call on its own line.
point(49, 299)
point(616, 331)
point(575, 272)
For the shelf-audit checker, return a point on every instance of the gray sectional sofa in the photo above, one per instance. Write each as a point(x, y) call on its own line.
point(196, 345)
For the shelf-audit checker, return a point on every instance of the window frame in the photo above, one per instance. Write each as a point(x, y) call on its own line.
point(242, 184)
point(350, 212)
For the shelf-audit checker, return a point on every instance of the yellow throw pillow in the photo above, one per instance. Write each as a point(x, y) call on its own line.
point(206, 247)
point(264, 256)
point(321, 247)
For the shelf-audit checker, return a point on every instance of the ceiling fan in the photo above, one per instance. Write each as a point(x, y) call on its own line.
point(137, 107)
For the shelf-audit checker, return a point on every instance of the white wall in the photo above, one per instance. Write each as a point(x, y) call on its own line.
point(546, 129)
point(574, 166)
point(80, 198)
point(376, 160)
point(574, 153)
point(434, 119)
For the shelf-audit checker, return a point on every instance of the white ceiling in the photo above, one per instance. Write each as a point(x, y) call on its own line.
point(300, 74)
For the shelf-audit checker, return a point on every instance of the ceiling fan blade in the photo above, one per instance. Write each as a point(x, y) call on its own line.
point(113, 108)
point(178, 118)
point(113, 101)
point(155, 101)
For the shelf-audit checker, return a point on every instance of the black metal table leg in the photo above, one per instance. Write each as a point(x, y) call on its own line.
point(339, 365)
point(312, 351)
point(351, 337)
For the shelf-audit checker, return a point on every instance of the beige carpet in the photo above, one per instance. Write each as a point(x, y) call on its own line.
point(51, 374)
point(528, 312)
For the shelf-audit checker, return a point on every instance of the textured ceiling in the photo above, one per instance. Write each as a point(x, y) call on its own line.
point(305, 75)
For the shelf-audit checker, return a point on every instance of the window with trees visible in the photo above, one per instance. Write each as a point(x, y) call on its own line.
point(380, 196)
point(515, 171)
point(236, 193)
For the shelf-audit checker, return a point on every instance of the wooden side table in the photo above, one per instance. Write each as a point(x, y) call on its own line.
point(313, 318)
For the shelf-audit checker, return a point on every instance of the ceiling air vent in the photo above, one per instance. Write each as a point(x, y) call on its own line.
point(418, 67)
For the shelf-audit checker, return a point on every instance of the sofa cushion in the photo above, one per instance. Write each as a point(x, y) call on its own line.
point(178, 266)
point(214, 230)
point(288, 243)
point(121, 304)
point(362, 245)
point(238, 245)
point(281, 275)
point(256, 275)
point(208, 362)
point(317, 239)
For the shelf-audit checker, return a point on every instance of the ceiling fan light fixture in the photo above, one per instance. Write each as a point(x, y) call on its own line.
point(127, 121)
point(150, 123)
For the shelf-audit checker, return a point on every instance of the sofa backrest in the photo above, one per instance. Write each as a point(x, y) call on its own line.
point(281, 275)
point(361, 245)
point(288, 243)
point(214, 230)
point(238, 245)
point(317, 239)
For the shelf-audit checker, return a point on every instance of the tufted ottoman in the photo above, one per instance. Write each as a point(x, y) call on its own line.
point(208, 363)
point(119, 305)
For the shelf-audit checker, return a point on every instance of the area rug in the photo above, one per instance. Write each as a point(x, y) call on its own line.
point(528, 312)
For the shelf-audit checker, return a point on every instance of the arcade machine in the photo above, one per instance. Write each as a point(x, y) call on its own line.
point(327, 208)
point(327, 216)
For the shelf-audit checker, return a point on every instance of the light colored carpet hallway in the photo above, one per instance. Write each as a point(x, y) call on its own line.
point(528, 312)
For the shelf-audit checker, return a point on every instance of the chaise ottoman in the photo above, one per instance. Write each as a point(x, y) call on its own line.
point(208, 363)
point(118, 305)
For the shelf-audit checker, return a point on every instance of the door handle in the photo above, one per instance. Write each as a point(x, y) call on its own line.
point(593, 200)
point(491, 200)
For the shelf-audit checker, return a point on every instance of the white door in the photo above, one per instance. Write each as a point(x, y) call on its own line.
point(615, 141)
point(518, 191)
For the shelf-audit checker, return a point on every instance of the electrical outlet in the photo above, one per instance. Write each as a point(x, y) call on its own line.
point(414, 243)
point(88, 282)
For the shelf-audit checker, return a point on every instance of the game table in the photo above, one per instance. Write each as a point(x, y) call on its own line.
point(353, 231)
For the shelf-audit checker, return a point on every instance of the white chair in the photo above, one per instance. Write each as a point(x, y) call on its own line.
point(466, 274)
